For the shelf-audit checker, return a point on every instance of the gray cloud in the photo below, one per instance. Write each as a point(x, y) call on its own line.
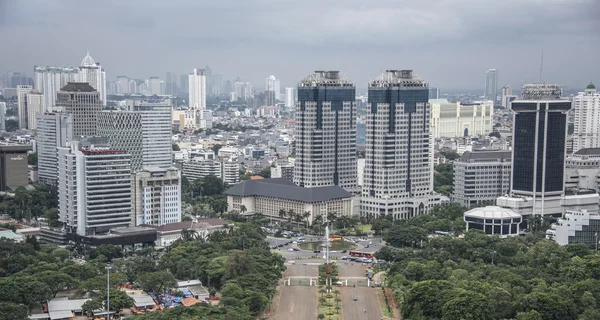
point(449, 42)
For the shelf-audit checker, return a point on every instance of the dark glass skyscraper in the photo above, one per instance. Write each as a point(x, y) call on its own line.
point(326, 131)
point(539, 138)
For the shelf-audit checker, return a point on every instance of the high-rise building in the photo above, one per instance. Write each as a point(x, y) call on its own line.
point(209, 79)
point(326, 131)
point(2, 117)
point(197, 89)
point(49, 80)
point(122, 85)
point(398, 173)
point(35, 106)
point(171, 84)
point(217, 84)
point(143, 129)
point(94, 187)
point(184, 84)
point(225, 168)
point(587, 119)
point(91, 72)
point(507, 97)
point(453, 120)
point(481, 176)
point(157, 194)
point(434, 93)
point(491, 85)
point(290, 98)
point(272, 85)
point(539, 147)
point(84, 103)
point(133, 88)
point(22, 92)
point(155, 86)
point(54, 130)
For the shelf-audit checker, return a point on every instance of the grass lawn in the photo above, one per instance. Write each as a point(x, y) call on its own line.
point(324, 309)
point(364, 227)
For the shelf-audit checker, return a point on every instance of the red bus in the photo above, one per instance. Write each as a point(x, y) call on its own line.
point(336, 238)
point(362, 254)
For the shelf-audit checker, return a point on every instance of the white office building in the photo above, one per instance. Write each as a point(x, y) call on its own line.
point(507, 97)
point(94, 188)
point(453, 120)
point(491, 85)
point(49, 80)
point(582, 169)
point(84, 103)
point(54, 130)
point(22, 92)
point(91, 72)
point(326, 131)
point(290, 98)
point(2, 117)
point(35, 106)
point(156, 86)
point(481, 176)
point(586, 106)
point(272, 85)
point(576, 226)
point(227, 169)
point(398, 172)
point(157, 194)
point(197, 89)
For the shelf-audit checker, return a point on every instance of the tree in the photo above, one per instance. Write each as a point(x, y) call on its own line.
point(156, 281)
point(13, 311)
point(321, 316)
point(119, 300)
point(57, 281)
point(211, 185)
point(322, 300)
point(243, 209)
point(175, 147)
point(467, 305)
point(265, 173)
point(32, 159)
point(11, 125)
point(186, 218)
point(216, 148)
point(495, 134)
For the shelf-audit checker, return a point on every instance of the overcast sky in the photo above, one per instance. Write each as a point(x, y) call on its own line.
point(450, 43)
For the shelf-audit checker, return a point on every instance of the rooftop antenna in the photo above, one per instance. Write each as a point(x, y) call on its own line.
point(542, 65)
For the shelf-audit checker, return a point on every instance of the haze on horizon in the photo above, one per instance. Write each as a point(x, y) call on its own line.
point(450, 43)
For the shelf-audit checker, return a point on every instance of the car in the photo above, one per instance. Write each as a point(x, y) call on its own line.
point(369, 261)
point(290, 249)
point(316, 251)
point(296, 249)
point(344, 258)
point(355, 299)
point(366, 246)
point(333, 251)
point(344, 251)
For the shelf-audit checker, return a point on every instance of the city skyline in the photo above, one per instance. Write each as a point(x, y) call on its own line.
point(497, 36)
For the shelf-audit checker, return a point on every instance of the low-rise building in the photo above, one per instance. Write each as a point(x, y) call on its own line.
point(458, 119)
point(481, 176)
point(494, 221)
point(157, 196)
point(582, 169)
point(169, 233)
point(576, 227)
point(268, 196)
point(227, 169)
point(14, 171)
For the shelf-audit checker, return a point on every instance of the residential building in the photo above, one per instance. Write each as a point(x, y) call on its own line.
point(197, 89)
point(491, 85)
point(2, 117)
point(586, 119)
point(507, 97)
point(94, 187)
point(290, 98)
point(84, 103)
point(272, 85)
point(453, 120)
point(283, 169)
point(582, 170)
point(54, 130)
point(35, 106)
point(122, 85)
point(156, 86)
point(227, 169)
point(217, 84)
point(184, 84)
point(481, 176)
point(143, 128)
point(13, 166)
point(326, 131)
point(157, 196)
point(434, 93)
point(91, 72)
point(171, 84)
point(578, 226)
point(398, 172)
point(49, 80)
point(22, 92)
point(269, 196)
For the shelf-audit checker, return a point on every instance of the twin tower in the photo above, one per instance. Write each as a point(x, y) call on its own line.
point(398, 171)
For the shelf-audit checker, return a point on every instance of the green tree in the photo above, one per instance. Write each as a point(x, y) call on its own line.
point(156, 281)
point(216, 148)
point(13, 311)
point(467, 305)
point(32, 159)
point(175, 147)
point(57, 281)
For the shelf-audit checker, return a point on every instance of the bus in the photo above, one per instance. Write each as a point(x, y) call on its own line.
point(362, 254)
point(336, 238)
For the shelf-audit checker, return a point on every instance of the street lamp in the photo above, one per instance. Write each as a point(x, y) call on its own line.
point(108, 267)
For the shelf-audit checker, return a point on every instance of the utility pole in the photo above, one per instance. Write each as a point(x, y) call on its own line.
point(108, 267)
point(596, 242)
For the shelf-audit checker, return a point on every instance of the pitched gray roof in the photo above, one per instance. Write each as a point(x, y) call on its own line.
point(485, 155)
point(285, 189)
point(588, 151)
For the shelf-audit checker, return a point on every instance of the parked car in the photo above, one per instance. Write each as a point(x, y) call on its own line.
point(344, 251)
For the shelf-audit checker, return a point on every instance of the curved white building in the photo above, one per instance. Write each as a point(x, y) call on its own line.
point(494, 221)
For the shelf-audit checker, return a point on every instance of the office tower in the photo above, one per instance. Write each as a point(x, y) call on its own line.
point(217, 84)
point(272, 85)
point(133, 88)
point(539, 136)
point(209, 79)
point(290, 98)
point(122, 85)
point(54, 130)
point(2, 117)
point(157, 193)
point(227, 87)
point(13, 166)
point(49, 80)
point(326, 131)
point(91, 72)
point(398, 173)
point(453, 120)
point(491, 85)
point(481, 176)
point(22, 92)
point(155, 86)
point(197, 89)
point(35, 106)
point(587, 119)
point(94, 187)
point(171, 84)
point(84, 103)
point(184, 84)
point(434, 93)
point(143, 129)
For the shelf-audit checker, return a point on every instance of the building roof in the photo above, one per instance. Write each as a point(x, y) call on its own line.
point(78, 87)
point(492, 212)
point(64, 304)
point(142, 300)
point(591, 86)
point(60, 314)
point(485, 155)
point(588, 151)
point(329, 78)
point(88, 61)
point(11, 148)
point(285, 189)
point(398, 78)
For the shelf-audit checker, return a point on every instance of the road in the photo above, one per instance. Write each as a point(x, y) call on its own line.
point(298, 302)
point(367, 297)
point(291, 255)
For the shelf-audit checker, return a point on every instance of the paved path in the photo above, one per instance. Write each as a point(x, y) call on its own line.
point(367, 297)
point(298, 302)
